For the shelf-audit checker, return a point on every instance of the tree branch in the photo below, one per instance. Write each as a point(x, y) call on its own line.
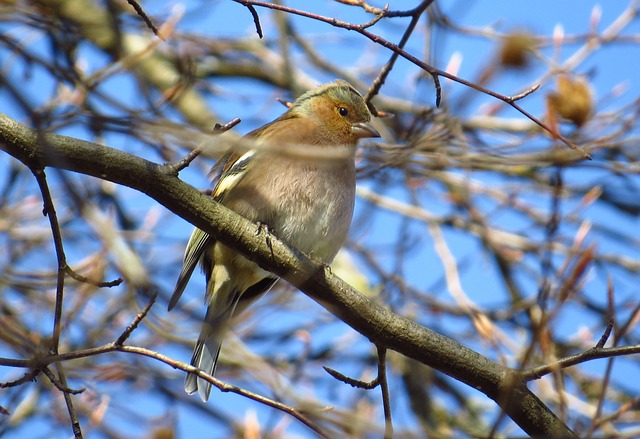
point(374, 321)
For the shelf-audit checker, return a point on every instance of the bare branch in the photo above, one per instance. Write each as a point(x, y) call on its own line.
point(367, 385)
point(384, 388)
point(136, 6)
point(591, 354)
point(139, 317)
point(433, 71)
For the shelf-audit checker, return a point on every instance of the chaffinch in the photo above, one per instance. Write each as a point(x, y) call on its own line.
point(297, 178)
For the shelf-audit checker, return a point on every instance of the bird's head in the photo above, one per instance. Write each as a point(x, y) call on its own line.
point(338, 110)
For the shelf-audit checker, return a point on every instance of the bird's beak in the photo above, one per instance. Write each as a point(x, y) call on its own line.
point(364, 129)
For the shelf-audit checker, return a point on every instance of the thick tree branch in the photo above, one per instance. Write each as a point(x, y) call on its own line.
point(371, 319)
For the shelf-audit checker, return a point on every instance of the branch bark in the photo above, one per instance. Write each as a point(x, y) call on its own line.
point(503, 385)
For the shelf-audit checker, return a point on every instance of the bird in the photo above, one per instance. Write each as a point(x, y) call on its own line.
point(298, 179)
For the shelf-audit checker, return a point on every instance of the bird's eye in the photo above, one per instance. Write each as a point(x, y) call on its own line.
point(343, 111)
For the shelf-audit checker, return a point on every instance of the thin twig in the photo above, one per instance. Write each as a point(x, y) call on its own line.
point(102, 284)
point(186, 161)
point(609, 370)
point(591, 354)
point(380, 380)
point(56, 382)
point(73, 416)
point(629, 406)
point(136, 6)
point(384, 387)
point(367, 385)
point(219, 129)
point(27, 377)
point(50, 212)
point(525, 93)
point(605, 335)
point(256, 18)
point(377, 18)
point(136, 321)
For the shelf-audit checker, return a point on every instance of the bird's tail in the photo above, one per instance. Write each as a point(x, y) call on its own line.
point(205, 354)
point(216, 322)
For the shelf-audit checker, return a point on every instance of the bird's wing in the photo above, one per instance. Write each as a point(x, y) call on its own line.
point(227, 172)
point(195, 248)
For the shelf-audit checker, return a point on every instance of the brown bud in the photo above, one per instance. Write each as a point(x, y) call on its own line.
point(516, 49)
point(573, 99)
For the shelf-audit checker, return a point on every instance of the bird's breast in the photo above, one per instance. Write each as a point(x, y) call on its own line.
point(309, 207)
